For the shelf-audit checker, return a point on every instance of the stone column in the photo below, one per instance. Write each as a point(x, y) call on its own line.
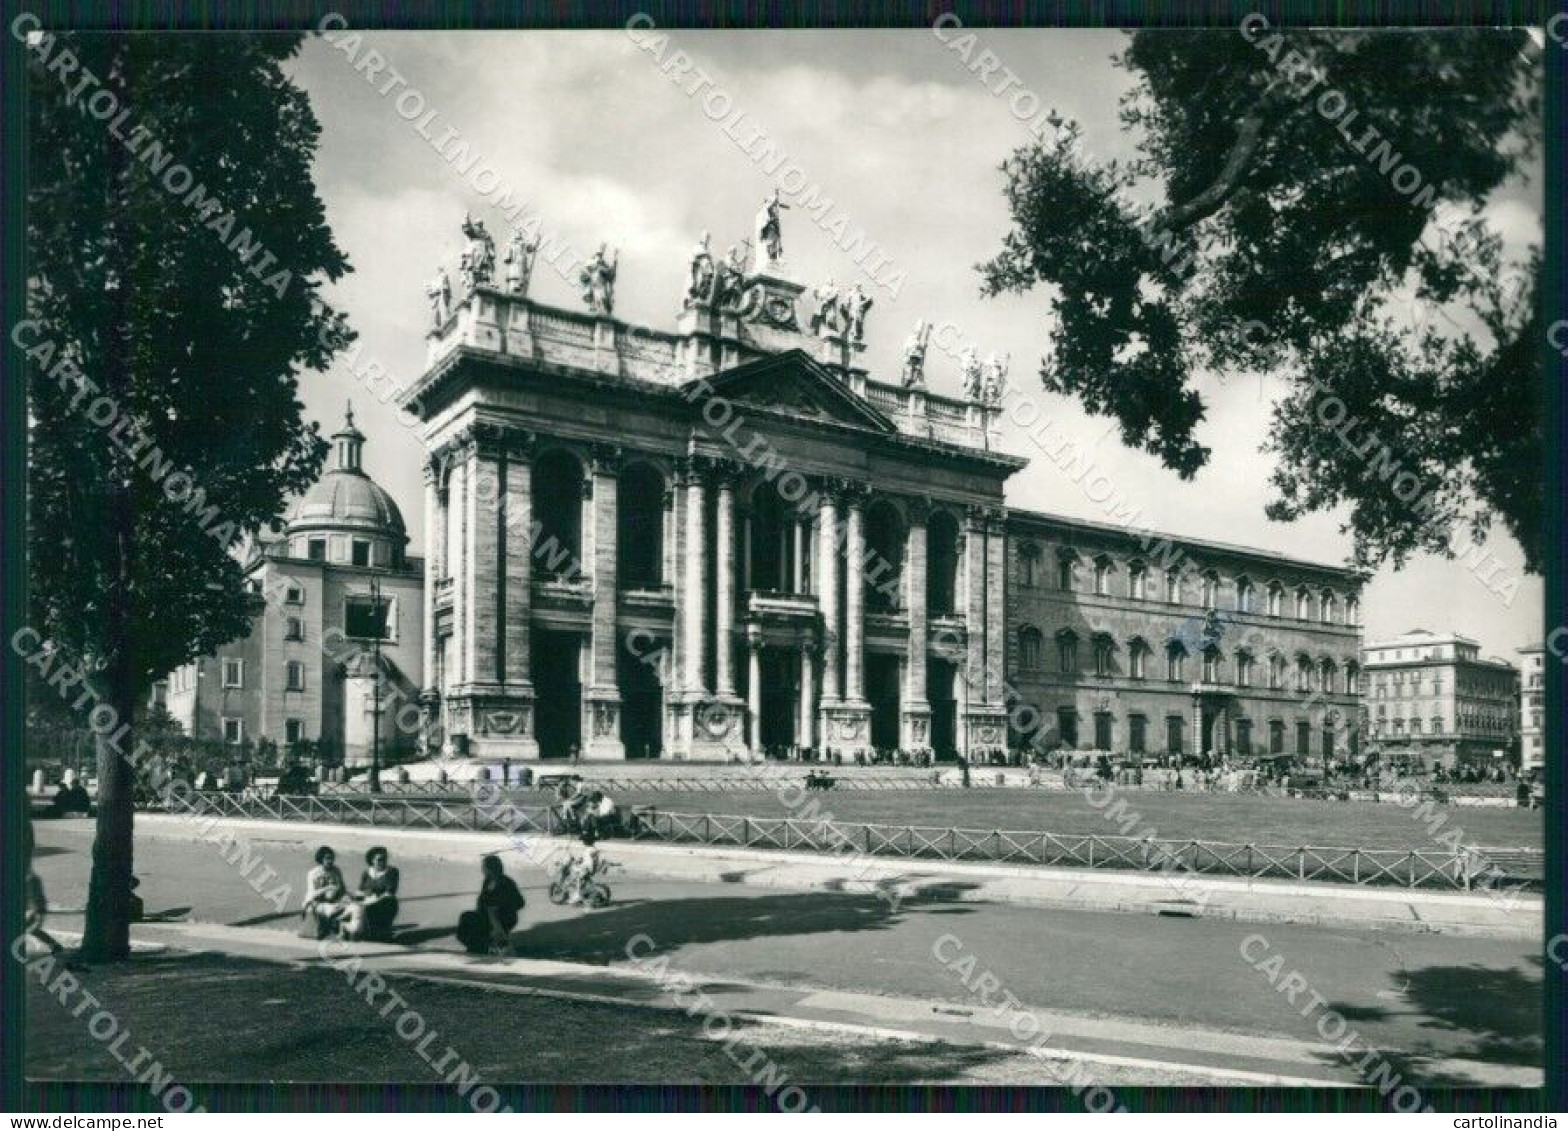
point(808, 706)
point(855, 601)
point(1197, 727)
point(974, 673)
point(995, 610)
point(754, 694)
point(457, 512)
point(804, 583)
point(694, 599)
point(917, 711)
point(435, 537)
point(724, 617)
point(518, 547)
point(827, 575)
point(602, 694)
point(481, 564)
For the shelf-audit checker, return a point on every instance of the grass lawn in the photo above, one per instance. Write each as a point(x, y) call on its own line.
point(1226, 817)
point(211, 1019)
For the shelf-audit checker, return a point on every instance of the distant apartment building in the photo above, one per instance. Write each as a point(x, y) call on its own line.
point(336, 578)
point(1532, 706)
point(1434, 696)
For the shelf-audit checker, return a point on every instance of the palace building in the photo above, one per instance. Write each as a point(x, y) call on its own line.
point(1435, 697)
point(728, 535)
point(312, 668)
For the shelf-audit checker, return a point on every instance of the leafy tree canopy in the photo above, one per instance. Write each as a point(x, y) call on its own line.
point(1292, 196)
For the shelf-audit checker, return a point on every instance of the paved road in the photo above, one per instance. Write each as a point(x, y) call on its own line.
point(1427, 997)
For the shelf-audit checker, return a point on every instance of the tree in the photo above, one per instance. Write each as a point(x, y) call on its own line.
point(1309, 183)
point(177, 247)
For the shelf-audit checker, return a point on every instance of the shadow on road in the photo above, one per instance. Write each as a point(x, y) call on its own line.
point(601, 937)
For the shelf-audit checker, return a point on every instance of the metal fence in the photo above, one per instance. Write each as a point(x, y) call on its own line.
point(1376, 866)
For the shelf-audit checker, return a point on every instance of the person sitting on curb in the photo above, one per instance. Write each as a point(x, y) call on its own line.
point(326, 897)
point(488, 928)
point(371, 915)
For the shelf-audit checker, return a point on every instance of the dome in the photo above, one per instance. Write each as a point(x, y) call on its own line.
point(345, 498)
point(348, 499)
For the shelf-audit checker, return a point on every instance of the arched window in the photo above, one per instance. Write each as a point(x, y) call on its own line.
point(1067, 571)
point(1029, 564)
point(1326, 606)
point(1137, 658)
point(1173, 586)
point(1103, 663)
point(1303, 604)
point(1102, 576)
point(639, 518)
point(558, 484)
point(941, 563)
point(1212, 661)
point(1353, 678)
point(1352, 610)
point(1276, 672)
point(1067, 652)
point(1328, 673)
point(1031, 644)
point(1137, 581)
point(1211, 589)
point(1244, 669)
point(1276, 599)
point(1244, 594)
point(1303, 673)
point(1175, 661)
point(884, 567)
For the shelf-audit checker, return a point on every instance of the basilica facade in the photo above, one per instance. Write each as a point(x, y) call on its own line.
point(724, 536)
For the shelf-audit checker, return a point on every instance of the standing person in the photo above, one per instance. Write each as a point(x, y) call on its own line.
point(488, 928)
point(36, 905)
point(372, 915)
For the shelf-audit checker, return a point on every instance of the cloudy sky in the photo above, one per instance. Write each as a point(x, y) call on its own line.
point(894, 128)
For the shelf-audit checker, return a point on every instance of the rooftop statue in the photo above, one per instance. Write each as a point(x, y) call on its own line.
point(700, 286)
point(969, 363)
point(914, 375)
point(478, 263)
point(855, 305)
point(829, 312)
point(598, 282)
point(727, 278)
point(994, 381)
point(439, 292)
point(520, 254)
point(770, 240)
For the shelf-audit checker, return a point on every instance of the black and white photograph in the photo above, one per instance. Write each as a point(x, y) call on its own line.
point(820, 566)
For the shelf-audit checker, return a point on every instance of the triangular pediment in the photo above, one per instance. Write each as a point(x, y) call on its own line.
point(795, 384)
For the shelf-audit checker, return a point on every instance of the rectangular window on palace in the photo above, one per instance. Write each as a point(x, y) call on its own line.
point(1067, 726)
point(1173, 725)
point(1137, 736)
point(295, 675)
point(233, 673)
point(1102, 731)
point(316, 549)
point(367, 619)
point(360, 552)
point(234, 731)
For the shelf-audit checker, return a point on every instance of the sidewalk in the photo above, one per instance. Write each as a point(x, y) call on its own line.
point(1114, 1047)
point(1261, 901)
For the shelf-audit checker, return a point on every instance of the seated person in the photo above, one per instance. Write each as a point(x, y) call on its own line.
point(603, 817)
point(326, 897)
point(371, 915)
point(488, 928)
point(573, 807)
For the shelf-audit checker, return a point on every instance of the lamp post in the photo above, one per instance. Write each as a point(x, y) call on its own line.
point(375, 683)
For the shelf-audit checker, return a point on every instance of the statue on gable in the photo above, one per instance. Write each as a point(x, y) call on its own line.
point(914, 375)
point(770, 238)
point(969, 364)
point(829, 313)
point(855, 305)
point(598, 282)
point(520, 254)
point(994, 379)
point(727, 278)
point(478, 262)
point(700, 288)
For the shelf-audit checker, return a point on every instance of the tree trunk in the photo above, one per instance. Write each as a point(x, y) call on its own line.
point(107, 935)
